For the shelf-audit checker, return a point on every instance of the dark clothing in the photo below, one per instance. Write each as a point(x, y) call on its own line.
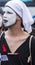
point(22, 55)
point(33, 51)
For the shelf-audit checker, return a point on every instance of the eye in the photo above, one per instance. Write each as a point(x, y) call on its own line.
point(9, 12)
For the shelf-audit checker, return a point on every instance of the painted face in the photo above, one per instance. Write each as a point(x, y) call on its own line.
point(0, 21)
point(9, 17)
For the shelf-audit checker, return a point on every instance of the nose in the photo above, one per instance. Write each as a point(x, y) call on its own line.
point(5, 15)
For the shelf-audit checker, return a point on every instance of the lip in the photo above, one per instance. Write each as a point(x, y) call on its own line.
point(5, 21)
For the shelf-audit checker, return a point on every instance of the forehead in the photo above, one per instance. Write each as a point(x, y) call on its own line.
point(8, 9)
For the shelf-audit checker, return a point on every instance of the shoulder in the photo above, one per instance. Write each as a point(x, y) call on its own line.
point(33, 43)
point(33, 39)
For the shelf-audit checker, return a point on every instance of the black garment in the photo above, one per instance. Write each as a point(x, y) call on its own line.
point(33, 51)
point(21, 58)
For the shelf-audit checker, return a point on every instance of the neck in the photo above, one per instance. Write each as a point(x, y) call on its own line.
point(15, 30)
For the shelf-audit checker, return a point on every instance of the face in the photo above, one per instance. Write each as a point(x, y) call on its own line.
point(9, 17)
point(0, 20)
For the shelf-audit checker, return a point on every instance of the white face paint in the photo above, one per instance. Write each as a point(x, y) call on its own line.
point(9, 17)
point(0, 21)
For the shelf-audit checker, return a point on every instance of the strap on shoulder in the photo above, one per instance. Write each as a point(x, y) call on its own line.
point(30, 43)
point(29, 59)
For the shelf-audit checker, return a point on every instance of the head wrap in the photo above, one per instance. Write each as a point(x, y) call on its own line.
point(21, 9)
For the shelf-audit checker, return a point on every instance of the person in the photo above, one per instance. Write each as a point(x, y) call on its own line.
point(15, 44)
point(1, 19)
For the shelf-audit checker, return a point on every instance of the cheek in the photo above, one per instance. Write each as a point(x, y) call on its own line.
point(9, 16)
point(13, 16)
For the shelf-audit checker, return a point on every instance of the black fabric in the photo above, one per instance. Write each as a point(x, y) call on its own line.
point(3, 42)
point(22, 55)
point(33, 51)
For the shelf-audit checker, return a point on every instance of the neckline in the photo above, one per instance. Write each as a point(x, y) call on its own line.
point(21, 45)
point(18, 47)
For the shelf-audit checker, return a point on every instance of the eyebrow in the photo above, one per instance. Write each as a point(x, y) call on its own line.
point(8, 12)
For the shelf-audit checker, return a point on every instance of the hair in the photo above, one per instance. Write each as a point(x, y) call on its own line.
point(1, 11)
